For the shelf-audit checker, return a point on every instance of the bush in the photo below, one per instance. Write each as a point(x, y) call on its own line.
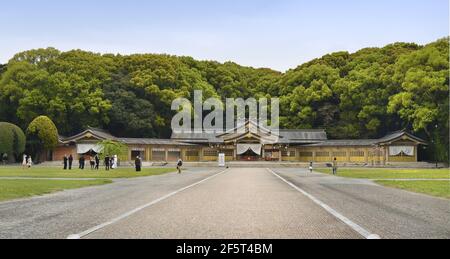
point(12, 140)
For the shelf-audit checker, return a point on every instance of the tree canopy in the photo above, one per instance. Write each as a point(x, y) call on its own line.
point(365, 94)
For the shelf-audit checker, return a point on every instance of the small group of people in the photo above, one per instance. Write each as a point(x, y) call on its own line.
point(334, 166)
point(138, 164)
point(94, 162)
point(27, 161)
point(111, 162)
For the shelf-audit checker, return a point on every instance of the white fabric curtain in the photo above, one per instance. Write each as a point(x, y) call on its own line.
point(397, 150)
point(84, 148)
point(256, 148)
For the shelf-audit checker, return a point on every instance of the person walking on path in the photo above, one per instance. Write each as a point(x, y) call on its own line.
point(138, 164)
point(335, 166)
point(70, 162)
point(66, 160)
point(311, 167)
point(179, 165)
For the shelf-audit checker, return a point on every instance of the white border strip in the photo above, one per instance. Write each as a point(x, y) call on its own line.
point(366, 234)
point(128, 214)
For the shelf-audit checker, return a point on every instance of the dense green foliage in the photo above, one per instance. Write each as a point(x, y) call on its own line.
point(42, 135)
point(112, 148)
point(366, 94)
point(12, 140)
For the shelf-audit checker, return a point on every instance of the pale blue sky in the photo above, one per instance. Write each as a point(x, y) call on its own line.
point(279, 34)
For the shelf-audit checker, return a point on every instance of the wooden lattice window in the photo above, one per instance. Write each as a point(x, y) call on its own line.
point(357, 154)
point(194, 153)
point(306, 154)
point(322, 154)
point(210, 153)
point(288, 153)
point(340, 154)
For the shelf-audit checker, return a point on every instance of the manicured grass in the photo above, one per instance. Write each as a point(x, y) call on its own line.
point(52, 172)
point(15, 189)
point(434, 188)
point(368, 173)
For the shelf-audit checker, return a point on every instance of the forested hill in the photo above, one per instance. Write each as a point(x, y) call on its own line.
point(360, 95)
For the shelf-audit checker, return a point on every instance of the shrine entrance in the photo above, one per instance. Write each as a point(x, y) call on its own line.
point(249, 152)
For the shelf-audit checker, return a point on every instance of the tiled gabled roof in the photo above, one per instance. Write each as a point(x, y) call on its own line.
point(392, 137)
point(95, 133)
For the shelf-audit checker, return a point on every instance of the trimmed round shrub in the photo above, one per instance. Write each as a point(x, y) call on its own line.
point(12, 139)
point(43, 132)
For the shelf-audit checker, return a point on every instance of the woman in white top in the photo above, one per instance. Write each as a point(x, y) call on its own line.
point(24, 161)
point(29, 162)
point(114, 165)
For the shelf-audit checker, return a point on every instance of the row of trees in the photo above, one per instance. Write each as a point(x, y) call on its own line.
point(366, 94)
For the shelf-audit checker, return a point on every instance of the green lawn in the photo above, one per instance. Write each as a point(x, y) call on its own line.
point(15, 189)
point(368, 173)
point(52, 172)
point(434, 188)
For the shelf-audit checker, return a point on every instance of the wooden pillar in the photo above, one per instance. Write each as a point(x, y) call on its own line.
point(147, 152)
point(314, 156)
point(366, 155)
point(416, 153)
point(201, 154)
point(387, 154)
point(167, 155)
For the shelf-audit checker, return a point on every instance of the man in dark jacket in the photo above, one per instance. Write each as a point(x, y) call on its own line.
point(70, 162)
point(97, 162)
point(82, 162)
point(138, 164)
point(107, 162)
point(66, 160)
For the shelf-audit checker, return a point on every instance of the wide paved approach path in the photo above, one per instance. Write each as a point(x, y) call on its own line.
point(229, 204)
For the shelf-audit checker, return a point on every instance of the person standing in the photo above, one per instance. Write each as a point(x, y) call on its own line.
point(111, 163)
point(66, 160)
point(335, 166)
point(114, 162)
point(107, 162)
point(24, 161)
point(92, 162)
point(179, 165)
point(311, 167)
point(29, 162)
point(70, 162)
point(138, 164)
point(83, 162)
point(80, 162)
point(5, 158)
point(97, 162)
